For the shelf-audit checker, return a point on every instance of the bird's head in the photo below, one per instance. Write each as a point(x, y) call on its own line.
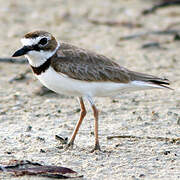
point(38, 46)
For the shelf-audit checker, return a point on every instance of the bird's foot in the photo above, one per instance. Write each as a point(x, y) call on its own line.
point(96, 148)
point(69, 145)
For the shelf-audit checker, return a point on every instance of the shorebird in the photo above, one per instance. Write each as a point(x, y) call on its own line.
point(74, 71)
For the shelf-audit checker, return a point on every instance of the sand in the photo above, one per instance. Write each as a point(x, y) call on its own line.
point(29, 122)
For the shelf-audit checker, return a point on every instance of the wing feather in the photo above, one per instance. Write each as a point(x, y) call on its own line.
point(80, 64)
point(85, 65)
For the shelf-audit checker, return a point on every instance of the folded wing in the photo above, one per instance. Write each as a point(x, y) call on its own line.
point(85, 65)
point(80, 64)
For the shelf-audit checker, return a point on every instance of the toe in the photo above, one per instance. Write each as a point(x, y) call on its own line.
point(96, 148)
point(69, 146)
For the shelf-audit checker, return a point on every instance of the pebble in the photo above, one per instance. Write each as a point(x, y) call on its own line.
point(166, 152)
point(178, 121)
point(29, 128)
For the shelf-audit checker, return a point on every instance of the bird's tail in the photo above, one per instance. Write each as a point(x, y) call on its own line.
point(150, 80)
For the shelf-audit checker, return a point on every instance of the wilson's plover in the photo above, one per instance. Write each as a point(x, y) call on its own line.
point(67, 69)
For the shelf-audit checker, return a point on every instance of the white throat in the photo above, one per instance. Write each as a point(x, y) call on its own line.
point(37, 58)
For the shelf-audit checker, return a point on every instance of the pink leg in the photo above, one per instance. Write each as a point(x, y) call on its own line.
point(95, 111)
point(82, 115)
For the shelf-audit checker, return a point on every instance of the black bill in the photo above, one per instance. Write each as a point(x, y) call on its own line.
point(24, 50)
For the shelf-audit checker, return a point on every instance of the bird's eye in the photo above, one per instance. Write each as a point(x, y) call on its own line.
point(43, 41)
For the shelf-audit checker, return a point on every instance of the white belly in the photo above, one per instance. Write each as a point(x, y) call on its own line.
point(64, 85)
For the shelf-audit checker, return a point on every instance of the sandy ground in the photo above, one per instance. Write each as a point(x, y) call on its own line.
point(147, 113)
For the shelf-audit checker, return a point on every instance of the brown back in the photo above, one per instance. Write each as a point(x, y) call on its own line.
point(81, 64)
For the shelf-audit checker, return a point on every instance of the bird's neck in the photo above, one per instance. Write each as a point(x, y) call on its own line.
point(42, 68)
point(38, 58)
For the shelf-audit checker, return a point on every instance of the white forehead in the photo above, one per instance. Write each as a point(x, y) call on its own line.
point(32, 41)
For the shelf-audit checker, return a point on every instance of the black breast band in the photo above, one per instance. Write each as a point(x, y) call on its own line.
point(42, 68)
